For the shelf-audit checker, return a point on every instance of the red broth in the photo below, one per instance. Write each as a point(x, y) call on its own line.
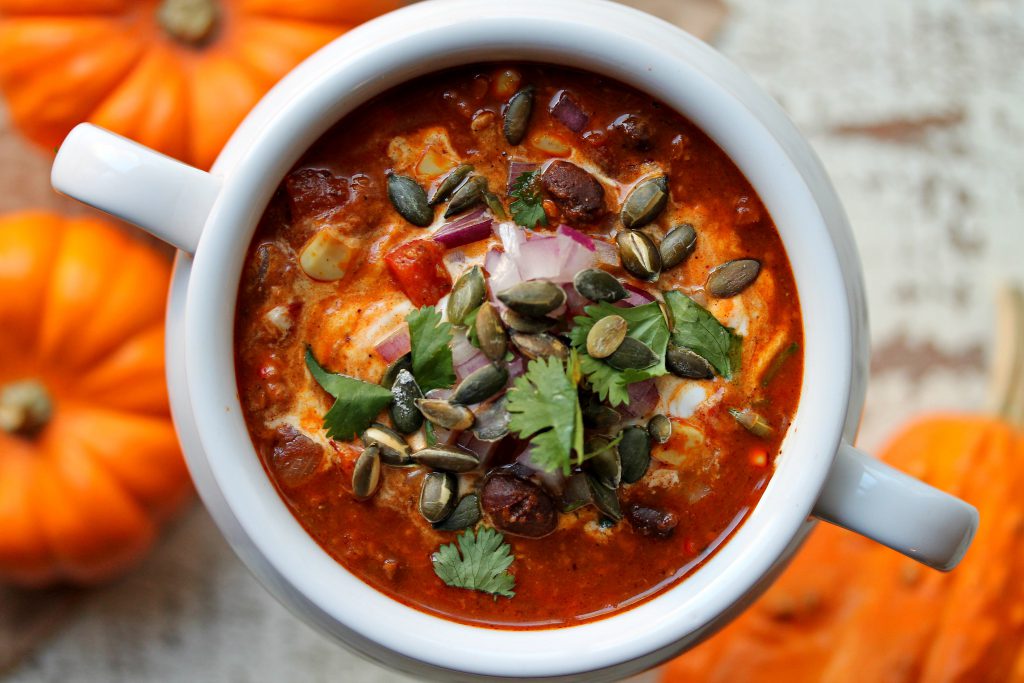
point(701, 483)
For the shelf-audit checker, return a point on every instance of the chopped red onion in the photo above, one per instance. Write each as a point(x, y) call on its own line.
point(584, 240)
point(643, 397)
point(567, 110)
point(517, 168)
point(394, 345)
point(554, 482)
point(484, 449)
point(637, 297)
point(539, 259)
point(466, 230)
point(516, 368)
point(607, 254)
point(574, 301)
point(465, 356)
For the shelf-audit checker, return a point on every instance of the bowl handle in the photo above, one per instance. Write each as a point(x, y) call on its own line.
point(865, 495)
point(165, 197)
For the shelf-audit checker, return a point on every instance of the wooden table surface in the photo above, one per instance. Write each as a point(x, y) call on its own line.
point(916, 108)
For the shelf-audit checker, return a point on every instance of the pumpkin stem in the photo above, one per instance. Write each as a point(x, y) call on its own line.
point(190, 22)
point(1006, 388)
point(25, 408)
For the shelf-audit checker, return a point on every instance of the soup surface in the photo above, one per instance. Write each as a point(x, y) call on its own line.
point(606, 389)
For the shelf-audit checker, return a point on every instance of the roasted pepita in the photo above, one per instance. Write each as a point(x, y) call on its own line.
point(752, 422)
point(525, 323)
point(605, 463)
point(447, 458)
point(445, 414)
point(639, 254)
point(481, 384)
point(606, 336)
point(404, 414)
point(601, 418)
point(533, 297)
point(539, 346)
point(683, 362)
point(678, 244)
point(732, 277)
point(659, 428)
point(465, 515)
point(492, 421)
point(437, 496)
point(490, 332)
point(645, 202)
point(632, 354)
point(451, 181)
point(576, 493)
point(517, 115)
point(599, 285)
point(635, 454)
point(394, 451)
point(468, 293)
point(409, 200)
point(467, 195)
point(366, 473)
point(604, 499)
point(403, 362)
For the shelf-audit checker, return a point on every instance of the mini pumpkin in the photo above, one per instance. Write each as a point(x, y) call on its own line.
point(89, 462)
point(850, 611)
point(175, 75)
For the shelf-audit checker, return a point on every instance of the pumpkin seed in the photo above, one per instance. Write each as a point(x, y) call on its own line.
point(445, 414)
point(481, 384)
point(576, 493)
point(635, 453)
point(465, 515)
point(533, 297)
point(494, 204)
point(517, 115)
point(639, 254)
point(492, 422)
point(752, 422)
point(492, 336)
point(447, 458)
point(451, 181)
point(366, 473)
point(659, 428)
point(468, 293)
point(683, 362)
point(605, 464)
point(606, 336)
point(404, 414)
point(632, 354)
point(403, 362)
point(599, 285)
point(678, 244)
point(539, 346)
point(394, 451)
point(600, 417)
point(645, 203)
point(604, 499)
point(409, 200)
point(437, 496)
point(468, 195)
point(732, 277)
point(525, 323)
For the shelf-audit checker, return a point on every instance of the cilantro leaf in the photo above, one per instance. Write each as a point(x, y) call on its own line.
point(481, 566)
point(356, 403)
point(646, 323)
point(430, 340)
point(698, 330)
point(528, 207)
point(544, 406)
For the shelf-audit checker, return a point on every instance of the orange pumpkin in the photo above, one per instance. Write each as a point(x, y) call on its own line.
point(850, 611)
point(89, 462)
point(176, 75)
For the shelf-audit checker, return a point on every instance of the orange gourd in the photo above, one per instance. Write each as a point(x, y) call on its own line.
point(89, 462)
point(850, 611)
point(176, 75)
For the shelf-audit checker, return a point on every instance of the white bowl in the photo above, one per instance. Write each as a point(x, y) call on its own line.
point(213, 216)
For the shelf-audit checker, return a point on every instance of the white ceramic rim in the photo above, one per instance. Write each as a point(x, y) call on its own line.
point(601, 37)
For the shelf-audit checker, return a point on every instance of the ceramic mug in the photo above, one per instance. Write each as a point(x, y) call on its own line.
point(210, 218)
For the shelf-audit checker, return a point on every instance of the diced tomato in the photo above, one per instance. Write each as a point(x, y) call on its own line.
point(418, 269)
